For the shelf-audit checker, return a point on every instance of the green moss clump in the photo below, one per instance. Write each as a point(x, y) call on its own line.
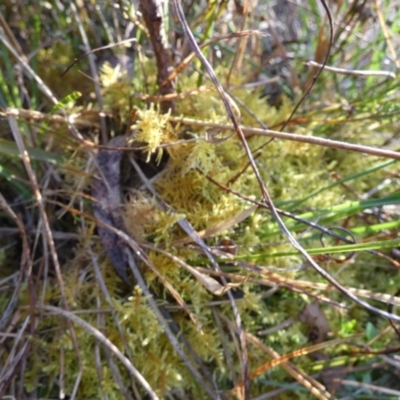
point(290, 170)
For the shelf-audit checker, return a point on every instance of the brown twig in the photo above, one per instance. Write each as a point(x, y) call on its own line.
point(152, 11)
point(335, 144)
point(79, 120)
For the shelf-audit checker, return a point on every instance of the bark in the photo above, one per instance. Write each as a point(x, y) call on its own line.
point(153, 16)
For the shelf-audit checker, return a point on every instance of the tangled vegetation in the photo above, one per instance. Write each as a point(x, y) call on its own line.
point(221, 303)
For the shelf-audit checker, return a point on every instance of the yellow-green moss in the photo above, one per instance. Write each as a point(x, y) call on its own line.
point(290, 171)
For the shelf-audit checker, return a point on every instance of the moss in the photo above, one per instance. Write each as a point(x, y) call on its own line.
point(290, 171)
point(153, 129)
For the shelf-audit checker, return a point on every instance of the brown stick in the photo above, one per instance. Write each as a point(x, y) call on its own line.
point(154, 19)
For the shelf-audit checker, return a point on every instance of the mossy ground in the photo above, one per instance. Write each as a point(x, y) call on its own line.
point(301, 178)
